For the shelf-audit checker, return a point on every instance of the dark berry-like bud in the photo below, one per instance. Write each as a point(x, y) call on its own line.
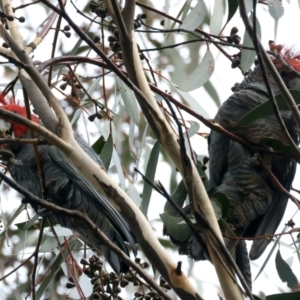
point(67, 34)
point(120, 54)
point(92, 117)
point(97, 39)
point(205, 160)
point(67, 28)
point(236, 39)
point(111, 39)
point(21, 19)
point(137, 260)
point(70, 285)
point(234, 30)
point(63, 86)
point(235, 63)
point(116, 34)
point(124, 282)
point(115, 47)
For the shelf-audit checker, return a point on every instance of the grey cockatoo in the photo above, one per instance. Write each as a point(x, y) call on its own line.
point(256, 206)
point(67, 188)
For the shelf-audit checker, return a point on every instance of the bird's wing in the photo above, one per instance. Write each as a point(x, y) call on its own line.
point(273, 216)
point(63, 166)
point(218, 146)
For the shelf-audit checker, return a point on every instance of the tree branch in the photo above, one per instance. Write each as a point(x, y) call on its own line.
point(31, 198)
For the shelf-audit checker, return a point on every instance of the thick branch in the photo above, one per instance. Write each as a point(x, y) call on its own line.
point(98, 177)
point(168, 139)
point(84, 218)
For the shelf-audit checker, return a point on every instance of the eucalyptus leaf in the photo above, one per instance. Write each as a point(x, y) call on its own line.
point(176, 227)
point(276, 9)
point(200, 75)
point(232, 8)
point(195, 17)
point(194, 128)
point(107, 151)
point(129, 101)
point(54, 267)
point(150, 174)
point(248, 56)
point(86, 287)
point(118, 165)
point(98, 145)
point(284, 296)
point(266, 109)
point(134, 195)
point(278, 145)
point(285, 272)
point(184, 10)
point(179, 196)
point(11, 220)
point(216, 19)
point(193, 103)
point(223, 202)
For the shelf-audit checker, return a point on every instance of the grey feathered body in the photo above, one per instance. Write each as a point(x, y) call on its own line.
point(256, 207)
point(67, 188)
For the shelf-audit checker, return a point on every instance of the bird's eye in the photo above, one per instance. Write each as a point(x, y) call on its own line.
point(15, 112)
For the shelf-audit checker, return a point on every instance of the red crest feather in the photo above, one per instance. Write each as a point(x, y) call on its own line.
point(288, 54)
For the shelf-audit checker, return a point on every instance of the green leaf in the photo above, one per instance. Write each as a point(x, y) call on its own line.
point(150, 173)
point(166, 243)
point(284, 296)
point(217, 210)
point(106, 152)
point(180, 232)
point(223, 201)
point(266, 109)
point(232, 8)
point(278, 145)
point(98, 145)
point(285, 272)
point(179, 196)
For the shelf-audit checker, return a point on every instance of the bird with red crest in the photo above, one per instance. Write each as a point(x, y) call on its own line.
point(65, 187)
point(256, 206)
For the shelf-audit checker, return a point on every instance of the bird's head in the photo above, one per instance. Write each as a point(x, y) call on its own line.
point(10, 128)
point(287, 62)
